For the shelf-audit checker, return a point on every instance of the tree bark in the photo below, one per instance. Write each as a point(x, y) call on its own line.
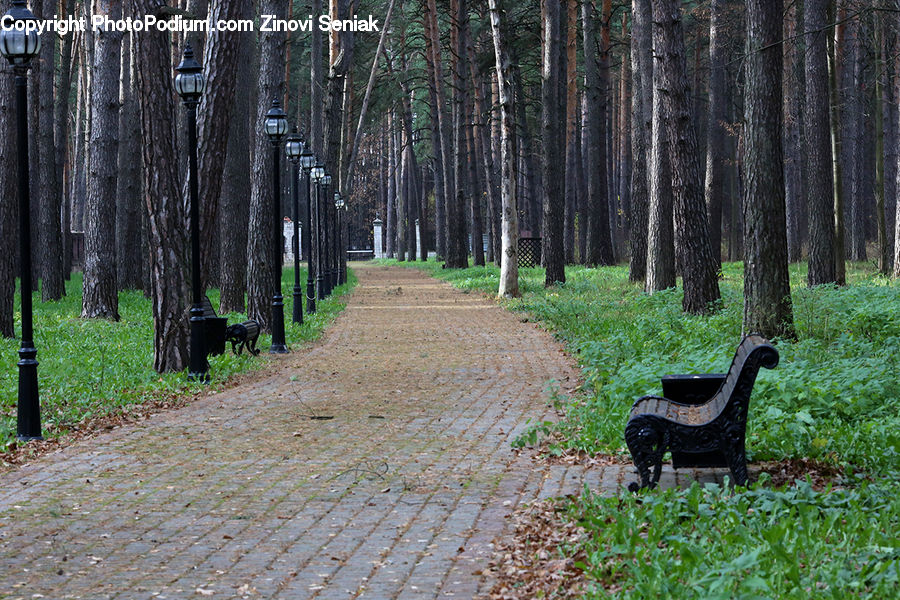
point(551, 158)
point(571, 106)
point(641, 92)
point(457, 252)
point(598, 248)
point(795, 193)
point(166, 217)
point(49, 195)
point(236, 186)
point(661, 236)
point(698, 266)
point(262, 273)
point(715, 130)
point(820, 183)
point(767, 290)
point(100, 295)
point(509, 262)
point(9, 214)
point(834, 45)
point(130, 259)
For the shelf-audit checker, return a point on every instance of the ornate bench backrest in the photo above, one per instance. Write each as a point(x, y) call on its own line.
point(754, 352)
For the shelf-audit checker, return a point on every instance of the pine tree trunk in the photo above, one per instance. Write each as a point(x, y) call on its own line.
point(838, 201)
point(641, 80)
point(236, 186)
point(795, 195)
point(661, 236)
point(457, 253)
point(553, 142)
point(100, 296)
point(571, 106)
point(316, 102)
point(698, 265)
point(48, 193)
point(820, 183)
point(767, 290)
point(432, 45)
point(166, 217)
point(262, 273)
point(129, 275)
point(61, 143)
point(598, 248)
point(9, 214)
point(715, 131)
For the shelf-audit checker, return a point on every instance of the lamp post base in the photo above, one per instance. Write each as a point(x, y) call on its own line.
point(320, 287)
point(278, 343)
point(199, 367)
point(28, 408)
point(298, 305)
point(310, 297)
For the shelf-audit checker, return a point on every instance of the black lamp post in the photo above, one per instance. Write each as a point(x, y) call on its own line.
point(293, 149)
point(307, 162)
point(340, 205)
point(19, 47)
point(318, 174)
point(276, 127)
point(326, 184)
point(189, 84)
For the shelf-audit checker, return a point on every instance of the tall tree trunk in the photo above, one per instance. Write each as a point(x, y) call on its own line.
point(795, 195)
point(216, 105)
point(833, 46)
point(819, 181)
point(100, 297)
point(624, 160)
point(391, 214)
point(262, 273)
point(9, 213)
point(661, 236)
point(509, 262)
point(236, 186)
point(715, 130)
point(316, 89)
point(598, 250)
point(50, 230)
point(62, 144)
point(457, 254)
point(165, 210)
point(767, 289)
point(432, 45)
point(553, 138)
point(641, 81)
point(698, 265)
point(130, 259)
point(571, 84)
point(475, 189)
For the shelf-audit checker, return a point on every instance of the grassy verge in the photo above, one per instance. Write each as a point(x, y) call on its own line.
point(834, 397)
point(94, 368)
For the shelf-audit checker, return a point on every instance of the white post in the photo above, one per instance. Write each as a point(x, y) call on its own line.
point(287, 229)
point(377, 227)
point(418, 238)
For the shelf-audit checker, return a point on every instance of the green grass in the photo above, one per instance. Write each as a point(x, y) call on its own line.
point(834, 397)
point(92, 368)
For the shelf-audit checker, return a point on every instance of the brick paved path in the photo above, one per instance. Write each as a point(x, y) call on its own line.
point(376, 464)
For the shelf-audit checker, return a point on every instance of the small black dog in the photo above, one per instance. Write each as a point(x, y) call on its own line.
point(243, 335)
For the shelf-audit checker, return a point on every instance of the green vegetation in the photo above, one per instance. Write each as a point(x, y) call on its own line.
point(834, 397)
point(92, 368)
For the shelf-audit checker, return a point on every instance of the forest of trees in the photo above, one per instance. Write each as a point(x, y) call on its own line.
point(670, 135)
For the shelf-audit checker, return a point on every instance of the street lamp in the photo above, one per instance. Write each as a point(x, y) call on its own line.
point(189, 84)
point(318, 174)
point(307, 162)
point(293, 149)
point(276, 126)
point(329, 279)
point(19, 47)
point(340, 205)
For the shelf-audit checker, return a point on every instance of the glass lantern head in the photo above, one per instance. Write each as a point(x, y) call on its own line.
point(276, 122)
point(18, 44)
point(189, 83)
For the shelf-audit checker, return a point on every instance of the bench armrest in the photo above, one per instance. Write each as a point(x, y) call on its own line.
point(692, 389)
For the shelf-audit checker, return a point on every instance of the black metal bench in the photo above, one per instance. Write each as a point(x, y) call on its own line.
point(216, 332)
point(702, 419)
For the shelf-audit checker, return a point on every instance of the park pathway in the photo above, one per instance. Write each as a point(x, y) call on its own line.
point(374, 464)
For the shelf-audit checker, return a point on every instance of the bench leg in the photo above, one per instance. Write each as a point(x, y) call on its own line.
point(736, 457)
point(647, 445)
